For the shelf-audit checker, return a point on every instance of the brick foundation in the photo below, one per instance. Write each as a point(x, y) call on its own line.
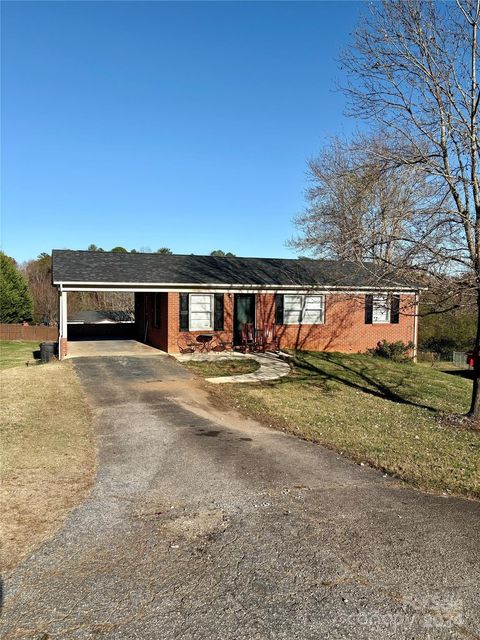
point(63, 347)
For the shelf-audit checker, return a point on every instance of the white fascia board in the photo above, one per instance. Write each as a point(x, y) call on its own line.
point(212, 288)
point(196, 285)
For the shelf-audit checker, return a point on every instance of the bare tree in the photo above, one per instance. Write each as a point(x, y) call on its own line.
point(413, 73)
point(360, 208)
point(117, 303)
point(45, 298)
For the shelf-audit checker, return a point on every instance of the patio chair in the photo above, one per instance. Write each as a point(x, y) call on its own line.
point(220, 344)
point(249, 342)
point(269, 341)
point(187, 343)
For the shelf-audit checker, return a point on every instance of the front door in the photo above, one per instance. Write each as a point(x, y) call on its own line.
point(244, 312)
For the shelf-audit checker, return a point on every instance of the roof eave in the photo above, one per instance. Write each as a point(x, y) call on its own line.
point(175, 286)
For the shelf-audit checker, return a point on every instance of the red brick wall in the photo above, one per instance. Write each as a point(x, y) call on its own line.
point(63, 347)
point(157, 336)
point(344, 328)
point(174, 333)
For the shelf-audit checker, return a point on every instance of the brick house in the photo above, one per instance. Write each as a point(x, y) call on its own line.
point(321, 305)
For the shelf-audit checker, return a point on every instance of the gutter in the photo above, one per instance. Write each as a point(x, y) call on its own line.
point(415, 328)
point(219, 288)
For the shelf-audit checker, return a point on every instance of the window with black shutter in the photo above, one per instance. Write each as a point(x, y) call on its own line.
point(279, 308)
point(183, 319)
point(395, 309)
point(368, 308)
point(218, 312)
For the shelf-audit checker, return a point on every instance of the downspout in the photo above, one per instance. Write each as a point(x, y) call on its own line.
point(60, 319)
point(415, 328)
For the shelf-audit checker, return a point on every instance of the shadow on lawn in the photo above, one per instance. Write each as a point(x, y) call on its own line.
point(460, 373)
point(359, 378)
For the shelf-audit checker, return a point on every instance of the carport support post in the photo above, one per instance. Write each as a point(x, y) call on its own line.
point(62, 324)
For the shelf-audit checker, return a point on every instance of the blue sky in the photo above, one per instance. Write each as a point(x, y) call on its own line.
point(149, 124)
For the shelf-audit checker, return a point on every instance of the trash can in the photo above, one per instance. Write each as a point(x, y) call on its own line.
point(47, 351)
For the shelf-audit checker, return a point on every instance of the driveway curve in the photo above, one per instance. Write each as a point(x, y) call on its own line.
point(205, 525)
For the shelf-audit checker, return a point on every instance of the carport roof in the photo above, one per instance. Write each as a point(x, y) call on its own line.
point(143, 269)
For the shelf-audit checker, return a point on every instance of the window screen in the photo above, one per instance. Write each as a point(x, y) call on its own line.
point(201, 312)
point(302, 309)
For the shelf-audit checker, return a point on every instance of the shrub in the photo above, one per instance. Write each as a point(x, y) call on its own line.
point(396, 351)
point(445, 346)
point(15, 300)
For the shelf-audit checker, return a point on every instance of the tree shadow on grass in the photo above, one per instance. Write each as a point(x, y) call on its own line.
point(359, 378)
point(460, 373)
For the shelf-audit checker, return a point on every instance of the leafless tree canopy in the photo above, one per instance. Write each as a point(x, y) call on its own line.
point(361, 208)
point(45, 298)
point(413, 72)
point(111, 301)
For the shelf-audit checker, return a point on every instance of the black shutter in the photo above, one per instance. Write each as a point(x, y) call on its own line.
point(184, 312)
point(218, 312)
point(395, 309)
point(368, 308)
point(279, 308)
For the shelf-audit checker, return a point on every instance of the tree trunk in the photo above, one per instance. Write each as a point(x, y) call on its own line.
point(475, 405)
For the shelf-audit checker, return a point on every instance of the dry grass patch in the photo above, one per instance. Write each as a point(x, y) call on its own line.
point(48, 454)
point(385, 414)
point(228, 367)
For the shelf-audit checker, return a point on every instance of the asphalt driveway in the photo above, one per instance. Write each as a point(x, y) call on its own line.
point(205, 525)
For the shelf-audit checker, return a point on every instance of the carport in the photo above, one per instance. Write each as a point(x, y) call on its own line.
point(156, 281)
point(82, 271)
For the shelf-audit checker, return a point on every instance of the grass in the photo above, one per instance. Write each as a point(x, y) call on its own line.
point(228, 367)
point(48, 454)
point(374, 411)
point(16, 352)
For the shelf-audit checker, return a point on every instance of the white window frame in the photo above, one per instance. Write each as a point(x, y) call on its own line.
point(301, 310)
point(212, 311)
point(381, 303)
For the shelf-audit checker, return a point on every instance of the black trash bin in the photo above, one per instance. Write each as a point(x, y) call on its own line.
point(47, 351)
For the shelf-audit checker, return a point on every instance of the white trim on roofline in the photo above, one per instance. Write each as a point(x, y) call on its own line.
point(219, 288)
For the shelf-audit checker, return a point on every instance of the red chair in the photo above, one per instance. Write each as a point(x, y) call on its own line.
point(269, 341)
point(248, 337)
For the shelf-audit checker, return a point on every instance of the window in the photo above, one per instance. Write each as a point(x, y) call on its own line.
point(156, 310)
point(301, 309)
point(201, 312)
point(380, 309)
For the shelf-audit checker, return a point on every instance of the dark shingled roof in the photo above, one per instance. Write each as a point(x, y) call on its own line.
point(154, 268)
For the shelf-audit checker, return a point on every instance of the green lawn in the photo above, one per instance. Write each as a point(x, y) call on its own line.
point(229, 367)
point(16, 352)
point(378, 412)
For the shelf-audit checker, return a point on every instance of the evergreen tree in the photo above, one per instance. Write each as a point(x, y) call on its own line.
point(15, 300)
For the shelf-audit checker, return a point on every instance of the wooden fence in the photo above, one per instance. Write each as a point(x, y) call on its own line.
point(27, 332)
